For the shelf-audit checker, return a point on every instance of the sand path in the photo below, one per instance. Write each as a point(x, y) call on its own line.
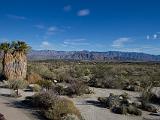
point(91, 110)
point(10, 108)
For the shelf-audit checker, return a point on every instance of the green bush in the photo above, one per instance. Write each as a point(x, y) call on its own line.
point(53, 107)
point(17, 84)
point(36, 88)
point(61, 108)
point(47, 84)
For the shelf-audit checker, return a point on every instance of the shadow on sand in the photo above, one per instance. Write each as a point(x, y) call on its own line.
point(95, 103)
point(26, 109)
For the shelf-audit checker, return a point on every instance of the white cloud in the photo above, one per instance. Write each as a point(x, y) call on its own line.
point(52, 30)
point(75, 42)
point(83, 12)
point(67, 8)
point(39, 26)
point(120, 42)
point(155, 36)
point(16, 17)
point(46, 45)
point(148, 37)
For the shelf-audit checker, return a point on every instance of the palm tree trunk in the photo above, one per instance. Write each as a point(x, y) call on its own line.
point(15, 65)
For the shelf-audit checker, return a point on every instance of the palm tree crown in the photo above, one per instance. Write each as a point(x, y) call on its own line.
point(14, 46)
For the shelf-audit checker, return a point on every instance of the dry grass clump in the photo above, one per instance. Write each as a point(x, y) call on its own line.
point(33, 78)
point(52, 106)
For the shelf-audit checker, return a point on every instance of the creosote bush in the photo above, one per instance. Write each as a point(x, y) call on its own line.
point(52, 106)
point(61, 108)
point(47, 84)
point(77, 88)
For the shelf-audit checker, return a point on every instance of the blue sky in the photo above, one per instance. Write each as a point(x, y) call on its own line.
point(94, 25)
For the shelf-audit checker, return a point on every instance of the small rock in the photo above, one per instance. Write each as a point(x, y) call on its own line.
point(156, 92)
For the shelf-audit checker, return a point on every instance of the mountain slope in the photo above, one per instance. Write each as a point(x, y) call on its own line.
point(87, 55)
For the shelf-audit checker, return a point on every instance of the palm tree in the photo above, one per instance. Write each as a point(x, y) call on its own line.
point(14, 59)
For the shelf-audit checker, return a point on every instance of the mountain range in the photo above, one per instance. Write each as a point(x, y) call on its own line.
point(91, 55)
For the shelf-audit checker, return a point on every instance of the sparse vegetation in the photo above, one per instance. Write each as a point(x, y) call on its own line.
point(128, 76)
point(54, 107)
point(16, 85)
point(120, 104)
point(70, 78)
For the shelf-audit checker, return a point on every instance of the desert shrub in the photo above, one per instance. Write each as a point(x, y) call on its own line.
point(47, 84)
point(119, 109)
point(33, 78)
point(62, 74)
point(36, 88)
point(52, 106)
point(133, 110)
point(60, 90)
point(43, 100)
point(146, 94)
point(99, 74)
point(17, 84)
point(103, 101)
point(132, 85)
point(61, 107)
point(120, 104)
point(41, 69)
point(77, 88)
point(103, 77)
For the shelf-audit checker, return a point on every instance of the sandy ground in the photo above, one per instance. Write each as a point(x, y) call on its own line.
point(13, 111)
point(91, 110)
point(87, 104)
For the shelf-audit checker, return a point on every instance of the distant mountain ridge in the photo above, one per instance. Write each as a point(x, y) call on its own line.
point(91, 55)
